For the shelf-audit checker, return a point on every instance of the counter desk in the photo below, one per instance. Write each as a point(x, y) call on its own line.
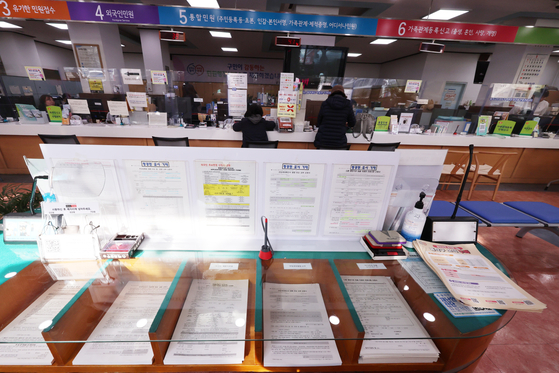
point(536, 161)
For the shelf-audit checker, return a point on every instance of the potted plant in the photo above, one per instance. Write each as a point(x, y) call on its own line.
point(15, 198)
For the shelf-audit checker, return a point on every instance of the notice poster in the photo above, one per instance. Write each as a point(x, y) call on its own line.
point(137, 99)
point(35, 73)
point(412, 86)
point(286, 81)
point(483, 125)
point(88, 55)
point(131, 76)
point(237, 102)
point(158, 77)
point(96, 85)
point(55, 113)
point(78, 106)
point(236, 80)
point(226, 196)
point(292, 198)
point(286, 104)
point(118, 108)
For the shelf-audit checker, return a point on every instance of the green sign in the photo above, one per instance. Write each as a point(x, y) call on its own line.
point(528, 127)
point(483, 125)
point(382, 124)
point(504, 127)
point(55, 113)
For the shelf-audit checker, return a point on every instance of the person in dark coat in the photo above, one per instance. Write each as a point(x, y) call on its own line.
point(253, 126)
point(335, 116)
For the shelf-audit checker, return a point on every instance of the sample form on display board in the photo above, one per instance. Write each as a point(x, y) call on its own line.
point(128, 319)
point(226, 196)
point(292, 197)
point(297, 311)
point(213, 310)
point(28, 325)
point(357, 193)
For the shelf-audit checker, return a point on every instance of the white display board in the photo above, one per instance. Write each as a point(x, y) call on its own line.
point(245, 174)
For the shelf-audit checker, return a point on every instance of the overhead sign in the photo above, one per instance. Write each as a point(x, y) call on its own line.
point(117, 13)
point(34, 9)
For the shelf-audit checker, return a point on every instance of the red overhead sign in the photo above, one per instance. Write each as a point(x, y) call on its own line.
point(446, 31)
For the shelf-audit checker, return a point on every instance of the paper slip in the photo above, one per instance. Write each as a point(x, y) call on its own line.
point(118, 108)
point(458, 309)
point(137, 99)
point(213, 310)
point(128, 319)
point(363, 266)
point(423, 275)
point(297, 311)
point(78, 106)
point(28, 325)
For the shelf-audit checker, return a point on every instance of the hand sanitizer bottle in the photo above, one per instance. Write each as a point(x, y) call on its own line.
point(414, 222)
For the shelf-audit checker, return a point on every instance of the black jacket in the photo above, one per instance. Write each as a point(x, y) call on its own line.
point(254, 129)
point(334, 113)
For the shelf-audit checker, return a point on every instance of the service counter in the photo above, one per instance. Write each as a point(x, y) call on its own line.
point(536, 162)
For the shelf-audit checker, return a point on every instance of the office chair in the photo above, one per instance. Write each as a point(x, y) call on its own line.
point(170, 141)
point(383, 147)
point(59, 139)
point(340, 148)
point(263, 144)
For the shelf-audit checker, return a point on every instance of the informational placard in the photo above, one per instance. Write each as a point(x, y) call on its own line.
point(237, 102)
point(55, 113)
point(483, 125)
point(297, 266)
point(404, 124)
point(412, 86)
point(95, 85)
point(532, 68)
point(158, 77)
point(137, 99)
point(528, 128)
point(88, 55)
point(27, 90)
point(450, 95)
point(35, 72)
point(366, 266)
point(287, 101)
point(157, 118)
point(118, 108)
point(292, 198)
point(224, 266)
point(15, 90)
point(504, 127)
point(458, 309)
point(131, 76)
point(286, 81)
point(236, 80)
point(79, 106)
point(383, 124)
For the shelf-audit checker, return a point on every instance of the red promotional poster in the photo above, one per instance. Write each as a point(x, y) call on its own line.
point(446, 30)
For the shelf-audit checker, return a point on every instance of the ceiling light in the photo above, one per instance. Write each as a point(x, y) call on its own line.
point(8, 25)
point(229, 49)
point(529, 26)
point(445, 14)
point(557, 51)
point(383, 41)
point(353, 54)
point(203, 3)
point(122, 45)
point(220, 34)
point(60, 26)
point(64, 41)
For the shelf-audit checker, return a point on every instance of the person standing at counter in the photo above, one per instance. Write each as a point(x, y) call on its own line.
point(253, 126)
point(335, 116)
point(44, 101)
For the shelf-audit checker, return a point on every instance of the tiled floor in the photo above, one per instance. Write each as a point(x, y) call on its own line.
point(530, 342)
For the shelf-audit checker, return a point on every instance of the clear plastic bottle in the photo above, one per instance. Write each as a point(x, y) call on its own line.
point(414, 222)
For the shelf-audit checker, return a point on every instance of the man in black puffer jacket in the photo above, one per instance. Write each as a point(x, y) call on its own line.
point(335, 116)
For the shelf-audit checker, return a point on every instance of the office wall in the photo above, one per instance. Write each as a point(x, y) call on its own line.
point(54, 57)
point(550, 75)
point(404, 68)
point(134, 61)
point(449, 67)
point(362, 70)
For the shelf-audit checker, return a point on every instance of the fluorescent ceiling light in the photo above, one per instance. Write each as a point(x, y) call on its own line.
point(8, 25)
point(383, 41)
point(203, 3)
point(529, 26)
point(229, 49)
point(445, 14)
point(220, 34)
point(122, 45)
point(353, 54)
point(60, 26)
point(64, 41)
point(557, 51)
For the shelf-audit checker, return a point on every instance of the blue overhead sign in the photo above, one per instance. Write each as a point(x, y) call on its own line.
point(266, 21)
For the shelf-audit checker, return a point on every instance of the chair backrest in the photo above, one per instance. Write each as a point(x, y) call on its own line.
point(341, 148)
point(59, 139)
point(383, 147)
point(459, 159)
point(263, 144)
point(170, 141)
point(497, 160)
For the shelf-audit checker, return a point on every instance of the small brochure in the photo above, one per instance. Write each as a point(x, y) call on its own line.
point(483, 125)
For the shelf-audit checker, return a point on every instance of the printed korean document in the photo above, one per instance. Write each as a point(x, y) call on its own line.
point(226, 196)
point(297, 311)
point(128, 320)
point(355, 204)
point(28, 325)
point(473, 279)
point(422, 274)
point(213, 310)
point(292, 198)
point(384, 313)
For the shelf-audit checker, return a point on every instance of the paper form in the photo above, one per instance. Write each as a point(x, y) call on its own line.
point(297, 311)
point(226, 195)
point(384, 313)
point(356, 197)
point(159, 198)
point(128, 319)
point(423, 275)
point(292, 198)
point(213, 310)
point(28, 325)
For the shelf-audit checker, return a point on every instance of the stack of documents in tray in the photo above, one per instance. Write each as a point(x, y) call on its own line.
point(473, 279)
point(296, 327)
point(213, 310)
point(128, 320)
point(385, 314)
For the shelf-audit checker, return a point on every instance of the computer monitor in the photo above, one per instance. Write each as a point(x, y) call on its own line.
point(97, 109)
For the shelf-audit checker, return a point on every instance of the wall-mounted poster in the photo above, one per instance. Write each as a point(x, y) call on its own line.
point(88, 55)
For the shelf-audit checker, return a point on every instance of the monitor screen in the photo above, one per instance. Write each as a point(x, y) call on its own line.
point(311, 62)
